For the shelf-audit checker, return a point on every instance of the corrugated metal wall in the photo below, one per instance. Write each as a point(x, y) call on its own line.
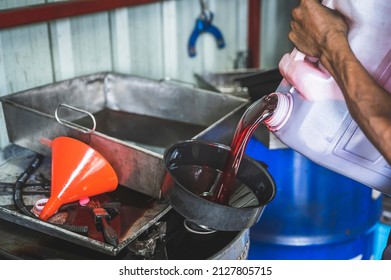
point(148, 40)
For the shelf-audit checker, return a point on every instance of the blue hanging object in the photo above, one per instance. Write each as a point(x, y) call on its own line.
point(204, 24)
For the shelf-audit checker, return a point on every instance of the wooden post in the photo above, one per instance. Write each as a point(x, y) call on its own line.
point(254, 32)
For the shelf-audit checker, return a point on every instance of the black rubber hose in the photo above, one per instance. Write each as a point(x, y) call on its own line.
point(18, 199)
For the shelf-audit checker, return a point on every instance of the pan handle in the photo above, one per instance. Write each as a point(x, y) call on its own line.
point(73, 125)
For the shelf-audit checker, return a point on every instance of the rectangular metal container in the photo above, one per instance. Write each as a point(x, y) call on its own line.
point(136, 119)
point(226, 82)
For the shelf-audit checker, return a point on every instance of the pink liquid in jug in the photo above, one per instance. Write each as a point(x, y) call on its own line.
point(315, 121)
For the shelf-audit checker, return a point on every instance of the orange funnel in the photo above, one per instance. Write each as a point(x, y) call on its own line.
point(78, 171)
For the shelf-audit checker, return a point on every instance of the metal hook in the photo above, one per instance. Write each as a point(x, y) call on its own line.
point(204, 5)
point(206, 14)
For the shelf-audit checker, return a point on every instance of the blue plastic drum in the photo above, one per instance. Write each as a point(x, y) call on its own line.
point(316, 213)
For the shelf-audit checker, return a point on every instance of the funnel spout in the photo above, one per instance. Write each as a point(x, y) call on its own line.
point(51, 207)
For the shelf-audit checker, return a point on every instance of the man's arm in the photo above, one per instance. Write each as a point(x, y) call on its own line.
point(321, 32)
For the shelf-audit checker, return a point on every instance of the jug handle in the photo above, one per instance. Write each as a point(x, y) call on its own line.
point(289, 59)
point(299, 56)
point(305, 74)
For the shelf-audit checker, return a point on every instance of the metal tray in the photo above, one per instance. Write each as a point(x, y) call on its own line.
point(138, 212)
point(136, 119)
point(226, 82)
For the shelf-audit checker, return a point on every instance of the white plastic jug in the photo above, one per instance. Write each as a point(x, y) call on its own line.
point(312, 117)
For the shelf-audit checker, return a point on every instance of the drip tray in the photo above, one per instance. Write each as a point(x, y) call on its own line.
point(137, 212)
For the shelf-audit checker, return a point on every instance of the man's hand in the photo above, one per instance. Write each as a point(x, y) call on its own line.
point(316, 28)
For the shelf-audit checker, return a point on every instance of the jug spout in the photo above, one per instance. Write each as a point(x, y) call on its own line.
point(281, 112)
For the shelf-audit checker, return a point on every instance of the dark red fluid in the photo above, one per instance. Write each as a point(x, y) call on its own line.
point(254, 115)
